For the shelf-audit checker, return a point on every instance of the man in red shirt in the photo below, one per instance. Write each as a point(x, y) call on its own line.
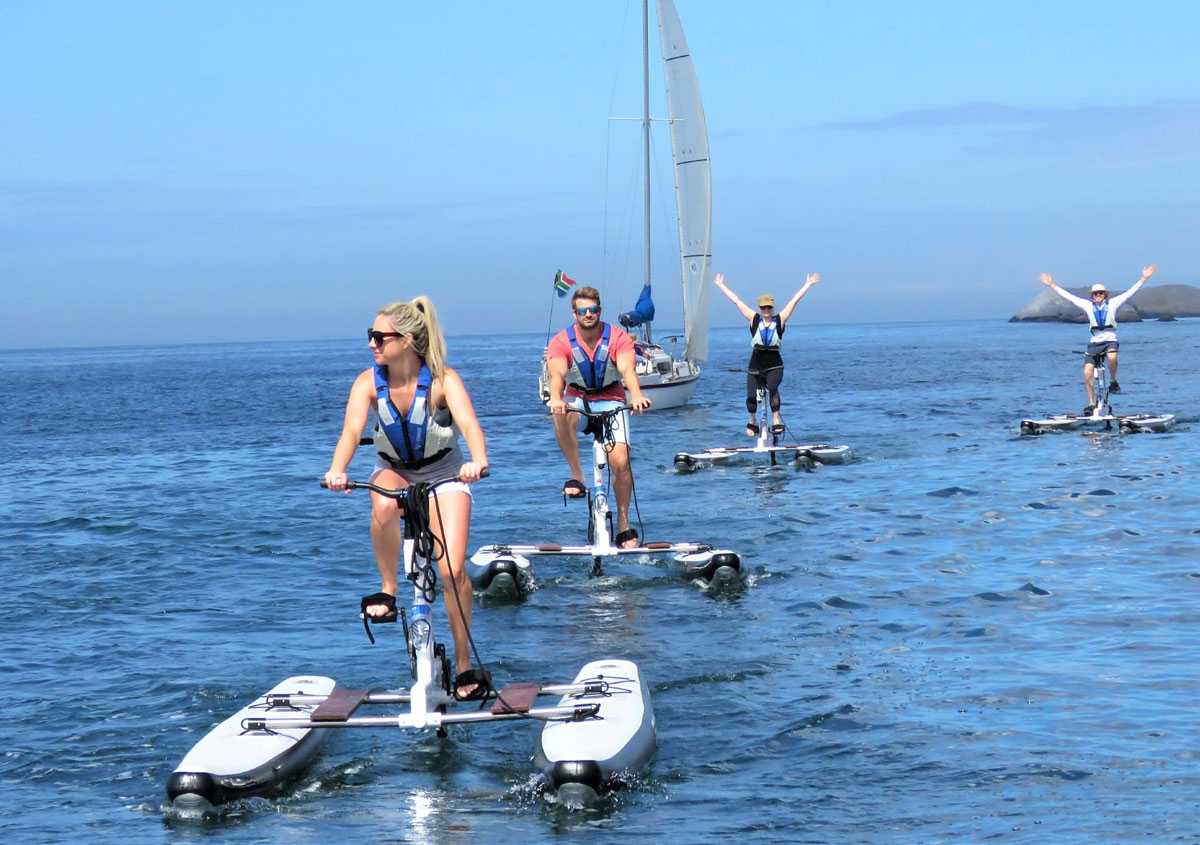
point(590, 359)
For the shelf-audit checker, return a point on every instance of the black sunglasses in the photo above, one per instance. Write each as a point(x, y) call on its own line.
point(379, 337)
point(587, 309)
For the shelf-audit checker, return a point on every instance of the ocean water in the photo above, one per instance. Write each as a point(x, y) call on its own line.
point(964, 635)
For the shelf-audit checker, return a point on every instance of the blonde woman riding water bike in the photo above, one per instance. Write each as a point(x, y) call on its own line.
point(421, 405)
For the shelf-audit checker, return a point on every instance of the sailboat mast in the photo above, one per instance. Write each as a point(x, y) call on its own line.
point(646, 142)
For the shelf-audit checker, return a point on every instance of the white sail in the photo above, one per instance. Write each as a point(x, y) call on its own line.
point(693, 179)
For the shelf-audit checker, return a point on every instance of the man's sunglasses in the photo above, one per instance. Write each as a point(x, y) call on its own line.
point(378, 338)
point(587, 309)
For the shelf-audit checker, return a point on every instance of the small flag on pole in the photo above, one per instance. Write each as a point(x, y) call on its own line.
point(562, 283)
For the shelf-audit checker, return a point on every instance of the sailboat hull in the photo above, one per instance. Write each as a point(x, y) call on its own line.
point(670, 390)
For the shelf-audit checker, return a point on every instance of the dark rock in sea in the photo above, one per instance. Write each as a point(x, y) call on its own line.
point(1158, 302)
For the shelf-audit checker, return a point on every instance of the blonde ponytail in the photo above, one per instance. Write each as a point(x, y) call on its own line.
point(419, 319)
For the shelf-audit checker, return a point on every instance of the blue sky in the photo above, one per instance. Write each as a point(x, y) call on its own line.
point(230, 171)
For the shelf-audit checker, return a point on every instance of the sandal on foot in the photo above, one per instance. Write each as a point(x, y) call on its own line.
point(624, 537)
point(751, 430)
point(387, 600)
point(778, 428)
point(479, 679)
point(573, 489)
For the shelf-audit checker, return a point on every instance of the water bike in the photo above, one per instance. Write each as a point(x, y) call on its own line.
point(600, 727)
point(803, 455)
point(506, 569)
point(1101, 417)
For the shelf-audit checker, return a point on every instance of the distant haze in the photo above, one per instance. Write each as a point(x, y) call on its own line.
point(193, 172)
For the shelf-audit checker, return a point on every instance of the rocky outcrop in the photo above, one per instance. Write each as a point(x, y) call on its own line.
point(1161, 301)
point(1158, 302)
point(1049, 307)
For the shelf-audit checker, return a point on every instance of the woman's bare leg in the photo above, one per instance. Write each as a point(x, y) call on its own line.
point(385, 536)
point(450, 520)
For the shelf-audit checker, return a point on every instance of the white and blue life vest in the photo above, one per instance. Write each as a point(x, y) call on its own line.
point(592, 375)
point(411, 441)
point(1101, 318)
point(764, 335)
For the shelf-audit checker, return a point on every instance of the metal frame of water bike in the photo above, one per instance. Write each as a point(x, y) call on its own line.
point(429, 696)
point(1100, 383)
point(600, 529)
point(600, 545)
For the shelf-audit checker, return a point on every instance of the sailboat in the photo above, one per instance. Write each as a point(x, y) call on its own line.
point(668, 377)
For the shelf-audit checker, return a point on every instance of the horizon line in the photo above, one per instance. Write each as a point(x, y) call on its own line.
point(230, 342)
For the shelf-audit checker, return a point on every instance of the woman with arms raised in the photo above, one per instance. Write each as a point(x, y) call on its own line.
point(766, 333)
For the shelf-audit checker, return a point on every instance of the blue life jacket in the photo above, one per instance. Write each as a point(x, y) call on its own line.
point(591, 375)
point(408, 437)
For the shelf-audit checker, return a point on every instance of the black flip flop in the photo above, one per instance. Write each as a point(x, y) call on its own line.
point(573, 489)
point(778, 428)
point(482, 680)
point(386, 599)
point(751, 430)
point(622, 536)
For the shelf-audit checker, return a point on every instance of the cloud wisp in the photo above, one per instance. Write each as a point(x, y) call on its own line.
point(1166, 130)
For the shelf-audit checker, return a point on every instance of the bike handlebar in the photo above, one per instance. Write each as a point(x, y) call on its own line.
point(400, 492)
point(571, 409)
point(611, 412)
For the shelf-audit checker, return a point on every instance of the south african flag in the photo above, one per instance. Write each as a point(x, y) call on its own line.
point(562, 283)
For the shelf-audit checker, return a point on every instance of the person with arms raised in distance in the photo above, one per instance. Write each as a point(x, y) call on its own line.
point(421, 405)
point(766, 334)
point(587, 363)
point(1101, 313)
